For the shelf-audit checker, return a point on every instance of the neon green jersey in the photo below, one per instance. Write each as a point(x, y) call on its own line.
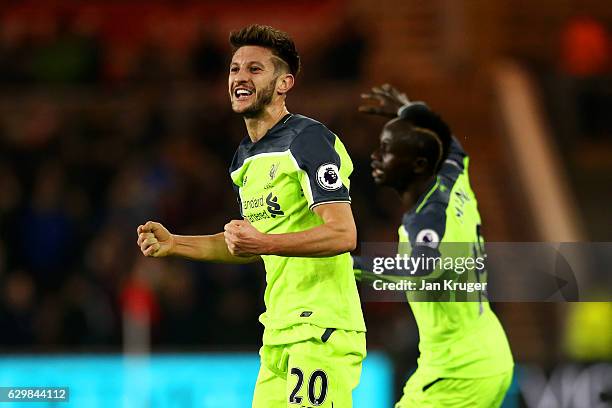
point(457, 338)
point(296, 166)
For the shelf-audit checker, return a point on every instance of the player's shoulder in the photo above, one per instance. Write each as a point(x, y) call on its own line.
point(308, 131)
point(427, 222)
point(427, 225)
point(300, 123)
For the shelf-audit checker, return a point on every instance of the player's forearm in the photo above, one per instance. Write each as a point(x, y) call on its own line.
point(207, 248)
point(324, 240)
point(455, 148)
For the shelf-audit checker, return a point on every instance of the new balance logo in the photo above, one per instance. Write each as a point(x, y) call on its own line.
point(274, 207)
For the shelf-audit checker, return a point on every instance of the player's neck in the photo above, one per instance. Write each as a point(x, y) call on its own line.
point(258, 126)
point(410, 196)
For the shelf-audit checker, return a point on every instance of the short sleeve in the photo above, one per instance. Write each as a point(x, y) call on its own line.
point(425, 233)
point(427, 227)
point(323, 165)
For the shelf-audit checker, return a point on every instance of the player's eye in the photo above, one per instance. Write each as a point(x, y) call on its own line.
point(255, 69)
point(234, 69)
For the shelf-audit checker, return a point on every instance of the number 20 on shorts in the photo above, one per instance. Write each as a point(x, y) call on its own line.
point(317, 387)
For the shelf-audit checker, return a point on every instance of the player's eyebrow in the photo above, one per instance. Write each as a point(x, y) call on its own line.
point(248, 63)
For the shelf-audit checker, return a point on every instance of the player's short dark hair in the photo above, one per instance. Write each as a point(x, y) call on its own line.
point(420, 116)
point(275, 40)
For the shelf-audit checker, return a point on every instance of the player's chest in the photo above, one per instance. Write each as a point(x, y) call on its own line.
point(269, 188)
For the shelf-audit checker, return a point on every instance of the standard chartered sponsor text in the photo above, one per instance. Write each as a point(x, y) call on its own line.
point(253, 203)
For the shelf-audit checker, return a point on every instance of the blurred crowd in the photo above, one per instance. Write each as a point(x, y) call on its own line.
point(71, 47)
point(100, 133)
point(78, 177)
point(115, 113)
point(86, 155)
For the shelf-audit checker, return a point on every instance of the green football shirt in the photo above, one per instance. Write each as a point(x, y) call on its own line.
point(279, 179)
point(457, 338)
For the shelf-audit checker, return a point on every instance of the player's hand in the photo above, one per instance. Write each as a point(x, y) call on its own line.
point(154, 239)
point(243, 239)
point(383, 100)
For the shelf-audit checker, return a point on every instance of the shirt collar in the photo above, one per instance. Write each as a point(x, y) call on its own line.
point(271, 132)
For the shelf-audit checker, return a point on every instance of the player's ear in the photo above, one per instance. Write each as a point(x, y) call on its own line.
point(284, 83)
point(420, 165)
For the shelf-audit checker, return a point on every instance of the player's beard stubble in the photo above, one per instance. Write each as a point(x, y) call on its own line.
point(263, 99)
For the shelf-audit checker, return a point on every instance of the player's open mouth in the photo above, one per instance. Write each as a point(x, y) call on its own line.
point(377, 170)
point(242, 93)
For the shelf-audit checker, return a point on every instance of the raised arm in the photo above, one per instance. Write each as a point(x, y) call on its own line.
point(156, 241)
point(387, 101)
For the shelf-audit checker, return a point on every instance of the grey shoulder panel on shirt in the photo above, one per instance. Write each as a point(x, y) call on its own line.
point(314, 150)
point(313, 141)
point(428, 225)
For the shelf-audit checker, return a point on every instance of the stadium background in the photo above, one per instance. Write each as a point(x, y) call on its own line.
point(113, 113)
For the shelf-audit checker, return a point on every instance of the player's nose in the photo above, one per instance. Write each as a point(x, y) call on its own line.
point(241, 76)
point(375, 155)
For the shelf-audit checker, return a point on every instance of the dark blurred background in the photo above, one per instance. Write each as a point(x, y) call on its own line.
point(116, 112)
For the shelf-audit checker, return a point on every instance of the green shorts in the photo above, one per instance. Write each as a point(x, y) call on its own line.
point(424, 391)
point(320, 371)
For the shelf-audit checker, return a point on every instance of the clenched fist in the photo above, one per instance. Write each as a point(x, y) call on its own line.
point(154, 239)
point(242, 239)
